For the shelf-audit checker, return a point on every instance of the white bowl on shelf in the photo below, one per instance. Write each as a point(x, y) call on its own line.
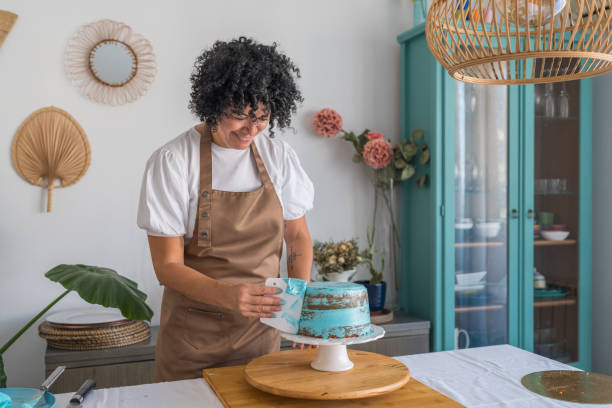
point(488, 229)
point(554, 235)
point(473, 278)
point(464, 224)
point(469, 289)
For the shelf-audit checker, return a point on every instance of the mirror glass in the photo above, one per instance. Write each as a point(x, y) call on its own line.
point(113, 63)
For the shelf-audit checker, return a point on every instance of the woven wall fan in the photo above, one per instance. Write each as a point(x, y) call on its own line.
point(51, 146)
point(7, 20)
point(506, 42)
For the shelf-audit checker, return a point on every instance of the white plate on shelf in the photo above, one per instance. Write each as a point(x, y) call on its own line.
point(86, 317)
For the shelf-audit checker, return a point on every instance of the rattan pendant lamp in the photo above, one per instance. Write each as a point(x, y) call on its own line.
point(505, 42)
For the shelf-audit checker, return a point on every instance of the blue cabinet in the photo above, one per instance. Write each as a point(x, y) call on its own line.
point(496, 249)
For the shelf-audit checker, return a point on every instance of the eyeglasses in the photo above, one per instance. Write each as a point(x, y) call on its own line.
point(243, 117)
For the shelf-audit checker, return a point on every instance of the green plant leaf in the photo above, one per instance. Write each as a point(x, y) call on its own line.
point(418, 134)
point(2, 373)
point(409, 150)
point(421, 181)
point(362, 140)
point(103, 286)
point(425, 155)
point(351, 137)
point(357, 158)
point(400, 163)
point(407, 173)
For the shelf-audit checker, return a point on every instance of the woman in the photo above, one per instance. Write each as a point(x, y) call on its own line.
point(217, 202)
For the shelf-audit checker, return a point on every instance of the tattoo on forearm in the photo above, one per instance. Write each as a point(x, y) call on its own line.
point(291, 257)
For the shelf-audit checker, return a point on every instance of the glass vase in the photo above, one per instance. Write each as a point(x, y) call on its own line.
point(387, 239)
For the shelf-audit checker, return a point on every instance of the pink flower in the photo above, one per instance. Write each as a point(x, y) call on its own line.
point(374, 135)
point(377, 153)
point(327, 122)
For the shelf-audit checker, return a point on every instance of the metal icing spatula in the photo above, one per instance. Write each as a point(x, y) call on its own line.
point(43, 387)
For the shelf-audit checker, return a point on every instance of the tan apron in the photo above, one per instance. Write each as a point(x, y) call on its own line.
point(238, 238)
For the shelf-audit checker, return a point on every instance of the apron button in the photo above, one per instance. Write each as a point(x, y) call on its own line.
point(205, 214)
point(204, 234)
point(205, 194)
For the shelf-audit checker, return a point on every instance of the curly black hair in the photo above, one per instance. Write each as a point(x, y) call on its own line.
point(242, 73)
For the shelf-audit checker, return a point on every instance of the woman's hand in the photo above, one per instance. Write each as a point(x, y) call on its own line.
point(255, 300)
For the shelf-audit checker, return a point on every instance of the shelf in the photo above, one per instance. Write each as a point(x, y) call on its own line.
point(463, 309)
point(489, 193)
point(478, 244)
point(565, 242)
point(550, 303)
point(556, 118)
point(565, 193)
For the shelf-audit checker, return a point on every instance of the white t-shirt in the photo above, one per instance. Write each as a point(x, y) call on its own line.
point(171, 181)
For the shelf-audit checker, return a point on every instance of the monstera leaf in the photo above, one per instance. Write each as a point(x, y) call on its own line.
point(102, 286)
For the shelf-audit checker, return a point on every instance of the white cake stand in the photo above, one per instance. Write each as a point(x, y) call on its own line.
point(332, 355)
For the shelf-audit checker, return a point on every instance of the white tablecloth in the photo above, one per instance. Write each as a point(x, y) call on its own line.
point(480, 377)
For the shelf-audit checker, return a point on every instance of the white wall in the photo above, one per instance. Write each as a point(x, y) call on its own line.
point(602, 224)
point(349, 60)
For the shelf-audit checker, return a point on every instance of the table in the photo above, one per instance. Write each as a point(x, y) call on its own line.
point(133, 365)
point(479, 377)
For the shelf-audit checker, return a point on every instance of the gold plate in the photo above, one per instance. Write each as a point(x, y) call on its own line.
point(573, 386)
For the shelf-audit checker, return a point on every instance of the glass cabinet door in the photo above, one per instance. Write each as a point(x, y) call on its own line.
point(481, 197)
point(556, 219)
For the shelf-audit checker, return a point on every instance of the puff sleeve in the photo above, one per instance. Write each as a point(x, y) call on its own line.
point(297, 191)
point(163, 209)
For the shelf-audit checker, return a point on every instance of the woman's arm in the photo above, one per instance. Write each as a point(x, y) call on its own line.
point(299, 249)
point(299, 255)
point(168, 262)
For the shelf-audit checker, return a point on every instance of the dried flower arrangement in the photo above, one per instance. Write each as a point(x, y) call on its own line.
point(336, 257)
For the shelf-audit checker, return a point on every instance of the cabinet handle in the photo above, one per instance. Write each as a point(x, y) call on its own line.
point(515, 213)
point(530, 214)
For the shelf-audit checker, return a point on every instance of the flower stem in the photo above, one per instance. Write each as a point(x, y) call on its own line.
point(392, 216)
point(31, 322)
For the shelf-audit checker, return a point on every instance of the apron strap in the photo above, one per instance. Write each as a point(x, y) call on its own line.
point(263, 173)
point(205, 199)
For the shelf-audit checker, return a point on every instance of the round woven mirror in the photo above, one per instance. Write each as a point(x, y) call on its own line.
point(110, 63)
point(113, 63)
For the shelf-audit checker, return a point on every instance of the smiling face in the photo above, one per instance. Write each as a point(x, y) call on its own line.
point(236, 129)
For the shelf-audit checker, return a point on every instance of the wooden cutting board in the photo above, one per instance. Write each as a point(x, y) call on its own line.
point(234, 392)
point(289, 374)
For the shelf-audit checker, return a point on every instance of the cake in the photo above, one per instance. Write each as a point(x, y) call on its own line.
point(335, 310)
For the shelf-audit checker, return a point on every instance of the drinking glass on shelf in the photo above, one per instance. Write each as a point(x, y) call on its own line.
point(540, 186)
point(549, 101)
point(563, 102)
point(563, 186)
point(555, 186)
point(547, 186)
point(539, 107)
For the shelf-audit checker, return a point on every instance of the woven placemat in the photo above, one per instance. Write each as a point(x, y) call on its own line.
point(76, 347)
point(50, 332)
point(97, 338)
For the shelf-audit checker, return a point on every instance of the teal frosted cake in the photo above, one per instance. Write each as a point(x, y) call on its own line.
point(335, 310)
